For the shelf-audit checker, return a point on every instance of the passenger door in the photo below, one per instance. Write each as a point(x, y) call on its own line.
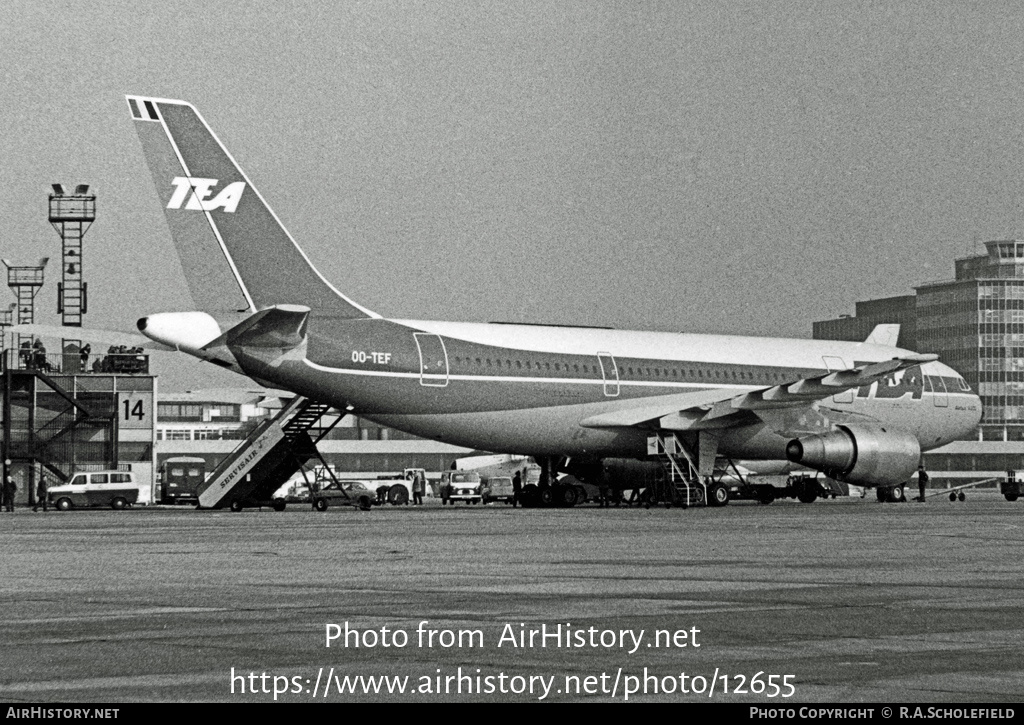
point(610, 374)
point(433, 359)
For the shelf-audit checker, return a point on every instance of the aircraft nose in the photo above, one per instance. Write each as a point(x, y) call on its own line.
point(970, 417)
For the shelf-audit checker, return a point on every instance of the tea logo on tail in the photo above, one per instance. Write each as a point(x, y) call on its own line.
point(201, 189)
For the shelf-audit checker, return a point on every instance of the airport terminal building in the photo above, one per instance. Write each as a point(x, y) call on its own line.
point(975, 323)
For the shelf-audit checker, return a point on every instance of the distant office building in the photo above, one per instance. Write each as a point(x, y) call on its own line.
point(975, 323)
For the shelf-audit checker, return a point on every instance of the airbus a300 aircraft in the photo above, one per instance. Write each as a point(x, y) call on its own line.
point(573, 397)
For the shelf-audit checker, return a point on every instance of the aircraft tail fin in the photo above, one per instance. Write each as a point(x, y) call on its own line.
point(888, 334)
point(236, 254)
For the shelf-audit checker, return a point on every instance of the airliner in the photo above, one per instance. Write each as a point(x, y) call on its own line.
point(577, 399)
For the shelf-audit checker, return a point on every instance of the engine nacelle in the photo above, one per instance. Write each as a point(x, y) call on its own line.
point(186, 331)
point(860, 455)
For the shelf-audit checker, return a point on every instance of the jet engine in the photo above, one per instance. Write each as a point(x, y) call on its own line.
point(860, 455)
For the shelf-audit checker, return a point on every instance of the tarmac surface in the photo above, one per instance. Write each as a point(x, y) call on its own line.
point(840, 601)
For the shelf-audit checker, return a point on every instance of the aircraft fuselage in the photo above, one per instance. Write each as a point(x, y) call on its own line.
point(527, 388)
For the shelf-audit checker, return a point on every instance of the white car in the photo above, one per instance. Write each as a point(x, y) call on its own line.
point(460, 486)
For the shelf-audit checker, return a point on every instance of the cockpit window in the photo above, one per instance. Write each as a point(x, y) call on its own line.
point(963, 385)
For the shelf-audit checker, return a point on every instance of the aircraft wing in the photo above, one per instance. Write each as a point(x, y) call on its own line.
point(723, 407)
point(833, 383)
point(694, 406)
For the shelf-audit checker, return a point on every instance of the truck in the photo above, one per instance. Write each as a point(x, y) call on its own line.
point(765, 489)
point(1011, 487)
point(397, 489)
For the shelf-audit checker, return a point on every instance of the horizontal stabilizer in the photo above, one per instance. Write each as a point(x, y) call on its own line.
point(282, 327)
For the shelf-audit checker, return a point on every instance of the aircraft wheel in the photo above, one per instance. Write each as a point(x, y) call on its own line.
point(1010, 496)
point(807, 493)
point(320, 504)
point(896, 494)
point(718, 494)
point(64, 504)
point(960, 496)
point(952, 496)
point(569, 496)
point(881, 494)
point(236, 506)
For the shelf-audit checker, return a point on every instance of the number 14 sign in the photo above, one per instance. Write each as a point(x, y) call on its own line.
point(135, 410)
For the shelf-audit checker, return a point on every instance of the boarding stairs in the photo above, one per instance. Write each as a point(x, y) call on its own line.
point(683, 485)
point(268, 456)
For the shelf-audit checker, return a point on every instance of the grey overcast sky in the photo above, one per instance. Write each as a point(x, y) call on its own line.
point(735, 167)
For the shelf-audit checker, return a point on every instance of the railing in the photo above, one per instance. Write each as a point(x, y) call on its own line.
point(73, 363)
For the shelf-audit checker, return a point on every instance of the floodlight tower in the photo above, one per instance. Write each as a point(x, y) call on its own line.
point(72, 215)
point(25, 283)
point(6, 320)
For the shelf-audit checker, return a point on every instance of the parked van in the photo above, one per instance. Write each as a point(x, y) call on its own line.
point(116, 489)
point(181, 478)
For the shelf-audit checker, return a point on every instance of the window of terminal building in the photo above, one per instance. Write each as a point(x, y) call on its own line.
point(179, 411)
point(226, 412)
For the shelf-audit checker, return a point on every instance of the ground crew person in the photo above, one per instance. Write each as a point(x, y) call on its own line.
point(517, 488)
point(10, 488)
point(922, 482)
point(417, 490)
point(41, 493)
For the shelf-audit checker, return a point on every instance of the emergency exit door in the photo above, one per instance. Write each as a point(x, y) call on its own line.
point(433, 359)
